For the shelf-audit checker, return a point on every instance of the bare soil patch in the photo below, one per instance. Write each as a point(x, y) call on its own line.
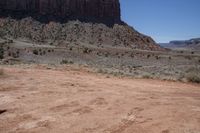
point(64, 100)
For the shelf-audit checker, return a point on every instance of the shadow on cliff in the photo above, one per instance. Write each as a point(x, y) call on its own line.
point(48, 18)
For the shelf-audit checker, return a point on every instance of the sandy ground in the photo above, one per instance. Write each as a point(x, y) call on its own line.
point(40, 100)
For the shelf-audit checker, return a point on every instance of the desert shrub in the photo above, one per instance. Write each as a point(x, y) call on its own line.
point(90, 42)
point(192, 52)
point(100, 71)
point(106, 54)
point(18, 52)
point(76, 25)
point(98, 53)
point(148, 41)
point(70, 48)
point(157, 57)
point(192, 77)
point(9, 54)
point(10, 41)
point(66, 62)
point(15, 55)
point(87, 50)
point(147, 76)
point(148, 56)
point(117, 74)
point(132, 55)
point(35, 52)
point(1, 52)
point(107, 76)
point(170, 57)
point(188, 57)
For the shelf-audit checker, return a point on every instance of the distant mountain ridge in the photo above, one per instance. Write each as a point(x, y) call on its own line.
point(186, 42)
point(193, 43)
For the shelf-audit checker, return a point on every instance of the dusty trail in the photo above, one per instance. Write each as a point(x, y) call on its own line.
point(66, 100)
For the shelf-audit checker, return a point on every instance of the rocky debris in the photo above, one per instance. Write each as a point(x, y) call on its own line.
point(76, 33)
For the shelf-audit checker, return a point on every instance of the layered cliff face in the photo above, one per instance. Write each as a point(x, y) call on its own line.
point(106, 28)
point(108, 10)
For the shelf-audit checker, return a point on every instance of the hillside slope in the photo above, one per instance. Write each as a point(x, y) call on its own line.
point(76, 33)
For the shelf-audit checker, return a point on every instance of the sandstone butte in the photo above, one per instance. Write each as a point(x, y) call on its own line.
point(100, 10)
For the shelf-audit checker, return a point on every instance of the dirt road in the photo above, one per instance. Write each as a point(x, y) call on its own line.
point(65, 100)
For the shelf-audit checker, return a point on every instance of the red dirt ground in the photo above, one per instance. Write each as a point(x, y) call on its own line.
point(65, 100)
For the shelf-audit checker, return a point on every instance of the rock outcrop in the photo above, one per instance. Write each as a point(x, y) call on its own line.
point(76, 33)
point(97, 10)
point(25, 17)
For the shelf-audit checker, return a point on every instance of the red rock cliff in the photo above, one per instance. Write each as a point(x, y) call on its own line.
point(94, 9)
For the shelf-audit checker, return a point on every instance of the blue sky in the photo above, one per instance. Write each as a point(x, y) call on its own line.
point(163, 20)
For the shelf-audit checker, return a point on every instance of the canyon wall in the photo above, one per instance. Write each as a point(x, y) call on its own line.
point(107, 10)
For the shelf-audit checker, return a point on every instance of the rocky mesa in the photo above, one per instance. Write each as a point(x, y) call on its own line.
point(98, 10)
point(81, 22)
